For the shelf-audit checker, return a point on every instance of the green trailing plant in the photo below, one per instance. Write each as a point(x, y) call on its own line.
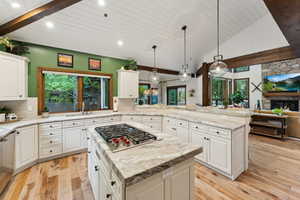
point(278, 111)
point(46, 109)
point(237, 97)
point(131, 65)
point(14, 47)
point(4, 110)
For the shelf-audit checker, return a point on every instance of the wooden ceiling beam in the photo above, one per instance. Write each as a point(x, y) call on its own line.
point(286, 14)
point(160, 70)
point(268, 56)
point(35, 14)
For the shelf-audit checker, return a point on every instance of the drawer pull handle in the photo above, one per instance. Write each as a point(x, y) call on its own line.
point(218, 132)
point(89, 152)
point(51, 126)
point(51, 151)
point(74, 123)
point(113, 183)
point(174, 129)
point(108, 196)
point(197, 127)
point(51, 133)
point(51, 142)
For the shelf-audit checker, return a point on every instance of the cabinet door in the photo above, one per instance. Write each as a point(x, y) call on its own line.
point(178, 185)
point(72, 139)
point(94, 168)
point(219, 154)
point(26, 146)
point(199, 138)
point(128, 84)
point(149, 190)
point(183, 134)
point(13, 78)
point(84, 138)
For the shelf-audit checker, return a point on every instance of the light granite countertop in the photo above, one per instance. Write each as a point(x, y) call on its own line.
point(138, 163)
point(212, 119)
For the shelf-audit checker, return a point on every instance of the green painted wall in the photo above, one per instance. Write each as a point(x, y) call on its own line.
point(47, 57)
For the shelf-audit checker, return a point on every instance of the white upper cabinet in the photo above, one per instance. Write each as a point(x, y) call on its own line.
point(13, 77)
point(128, 84)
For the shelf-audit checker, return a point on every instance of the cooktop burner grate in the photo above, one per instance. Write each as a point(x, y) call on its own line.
point(135, 135)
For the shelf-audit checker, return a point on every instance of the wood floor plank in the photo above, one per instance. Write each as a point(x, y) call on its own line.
point(274, 174)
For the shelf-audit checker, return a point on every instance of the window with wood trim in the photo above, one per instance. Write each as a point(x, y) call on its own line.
point(64, 90)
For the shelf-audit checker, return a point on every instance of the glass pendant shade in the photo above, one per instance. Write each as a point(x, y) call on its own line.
point(184, 75)
point(218, 68)
point(154, 77)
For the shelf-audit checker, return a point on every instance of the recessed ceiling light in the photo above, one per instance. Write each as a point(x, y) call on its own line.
point(49, 24)
point(15, 5)
point(102, 3)
point(120, 43)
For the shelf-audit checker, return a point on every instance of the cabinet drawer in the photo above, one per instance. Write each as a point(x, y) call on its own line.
point(48, 141)
point(151, 118)
point(50, 132)
point(113, 119)
point(220, 132)
point(132, 118)
point(73, 123)
point(51, 150)
point(183, 123)
point(200, 127)
point(50, 126)
point(170, 122)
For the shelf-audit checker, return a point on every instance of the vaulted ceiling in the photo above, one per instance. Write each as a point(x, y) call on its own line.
point(139, 24)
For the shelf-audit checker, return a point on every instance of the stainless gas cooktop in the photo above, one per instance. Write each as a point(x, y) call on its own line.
point(122, 136)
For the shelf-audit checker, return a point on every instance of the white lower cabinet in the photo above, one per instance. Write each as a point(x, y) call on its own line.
point(219, 153)
point(199, 138)
point(26, 146)
point(72, 139)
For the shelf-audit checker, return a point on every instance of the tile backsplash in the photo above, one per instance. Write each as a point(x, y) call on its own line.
point(26, 109)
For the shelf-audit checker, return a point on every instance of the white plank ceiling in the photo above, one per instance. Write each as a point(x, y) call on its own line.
point(139, 24)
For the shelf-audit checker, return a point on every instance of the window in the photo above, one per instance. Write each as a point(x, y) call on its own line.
point(241, 69)
point(176, 95)
point(242, 86)
point(220, 91)
point(62, 90)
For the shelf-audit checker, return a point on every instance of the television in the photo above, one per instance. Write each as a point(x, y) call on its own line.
point(282, 83)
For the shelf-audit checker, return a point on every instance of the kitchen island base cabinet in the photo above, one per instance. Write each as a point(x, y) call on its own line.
point(176, 183)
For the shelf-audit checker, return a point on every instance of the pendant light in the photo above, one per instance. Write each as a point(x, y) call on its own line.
point(218, 68)
point(184, 73)
point(154, 75)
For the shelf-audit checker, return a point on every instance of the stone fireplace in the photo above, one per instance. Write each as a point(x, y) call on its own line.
point(282, 67)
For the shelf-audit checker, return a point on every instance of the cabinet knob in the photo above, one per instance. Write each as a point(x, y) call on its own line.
point(113, 183)
point(18, 133)
point(74, 123)
point(89, 152)
point(218, 132)
point(51, 133)
point(108, 196)
point(20, 95)
point(197, 127)
point(51, 126)
point(51, 151)
point(51, 142)
point(96, 168)
point(88, 138)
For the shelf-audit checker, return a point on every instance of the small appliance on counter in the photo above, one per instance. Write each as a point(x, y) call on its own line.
point(115, 104)
point(12, 117)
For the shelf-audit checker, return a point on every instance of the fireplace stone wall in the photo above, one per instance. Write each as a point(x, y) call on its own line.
point(282, 67)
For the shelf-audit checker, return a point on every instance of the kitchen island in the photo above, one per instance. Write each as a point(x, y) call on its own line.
point(160, 170)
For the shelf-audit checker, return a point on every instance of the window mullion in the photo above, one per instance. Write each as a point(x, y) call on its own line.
point(79, 92)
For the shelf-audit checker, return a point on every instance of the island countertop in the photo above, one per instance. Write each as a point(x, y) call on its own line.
point(138, 163)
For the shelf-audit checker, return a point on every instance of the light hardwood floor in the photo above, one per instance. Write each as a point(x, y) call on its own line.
point(274, 173)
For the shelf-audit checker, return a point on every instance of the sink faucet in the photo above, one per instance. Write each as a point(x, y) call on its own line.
point(82, 108)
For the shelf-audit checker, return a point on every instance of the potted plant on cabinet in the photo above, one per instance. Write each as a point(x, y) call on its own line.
point(237, 98)
point(3, 112)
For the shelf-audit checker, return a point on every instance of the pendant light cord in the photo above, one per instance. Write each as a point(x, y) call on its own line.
point(218, 26)
point(184, 45)
point(154, 58)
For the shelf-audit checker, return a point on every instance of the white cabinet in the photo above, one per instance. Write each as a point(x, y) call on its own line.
point(26, 147)
point(200, 139)
point(72, 139)
point(219, 153)
point(223, 150)
point(128, 82)
point(13, 77)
